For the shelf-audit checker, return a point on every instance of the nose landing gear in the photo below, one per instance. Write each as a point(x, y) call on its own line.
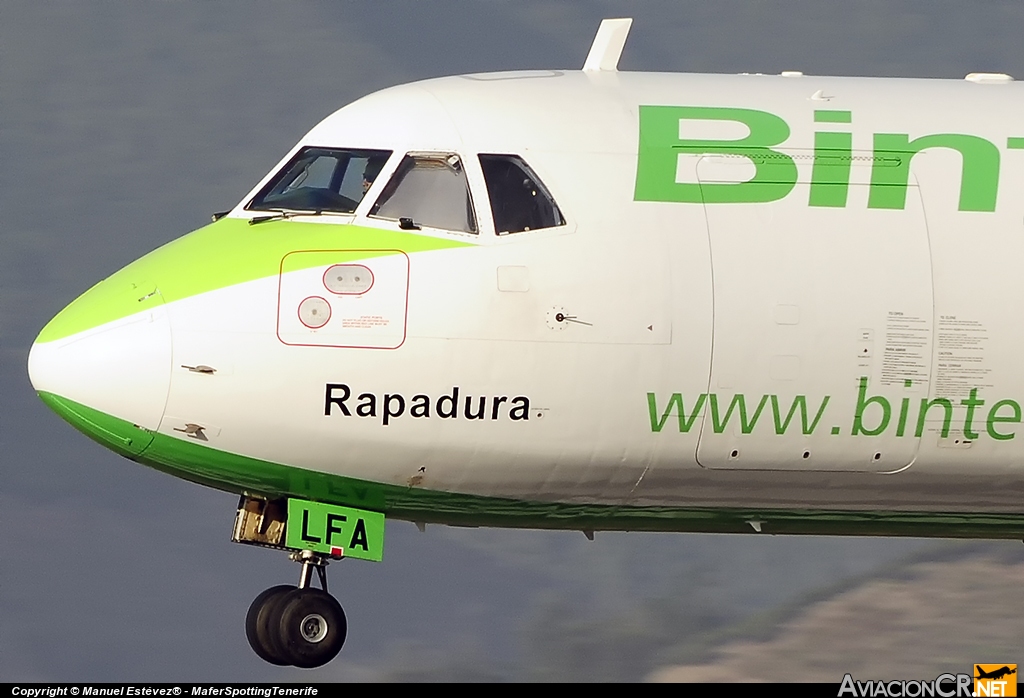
point(300, 626)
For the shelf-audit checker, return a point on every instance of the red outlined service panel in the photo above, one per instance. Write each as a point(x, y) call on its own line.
point(343, 298)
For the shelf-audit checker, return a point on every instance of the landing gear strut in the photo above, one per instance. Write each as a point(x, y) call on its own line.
point(301, 626)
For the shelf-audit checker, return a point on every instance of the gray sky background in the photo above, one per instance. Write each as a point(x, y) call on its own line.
point(124, 125)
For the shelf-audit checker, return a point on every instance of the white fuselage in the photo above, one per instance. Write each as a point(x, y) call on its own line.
point(840, 309)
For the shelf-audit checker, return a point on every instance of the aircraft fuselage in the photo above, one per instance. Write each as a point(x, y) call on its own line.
point(780, 299)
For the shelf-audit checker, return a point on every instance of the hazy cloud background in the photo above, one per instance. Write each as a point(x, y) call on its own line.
point(124, 125)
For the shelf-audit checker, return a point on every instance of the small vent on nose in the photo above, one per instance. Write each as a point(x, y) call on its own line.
point(201, 368)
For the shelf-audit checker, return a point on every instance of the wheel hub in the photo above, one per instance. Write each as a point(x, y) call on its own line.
point(313, 628)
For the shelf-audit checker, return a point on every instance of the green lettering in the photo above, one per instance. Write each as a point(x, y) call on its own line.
point(862, 403)
point(738, 403)
point(830, 175)
point(971, 403)
point(901, 423)
point(660, 148)
point(800, 402)
point(833, 116)
point(676, 401)
point(926, 405)
point(994, 419)
point(979, 177)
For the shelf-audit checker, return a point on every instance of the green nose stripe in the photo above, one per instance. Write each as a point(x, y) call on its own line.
point(111, 299)
point(223, 254)
point(116, 434)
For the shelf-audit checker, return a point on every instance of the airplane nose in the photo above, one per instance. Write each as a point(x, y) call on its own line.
point(104, 364)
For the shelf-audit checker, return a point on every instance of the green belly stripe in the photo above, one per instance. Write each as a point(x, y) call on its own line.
point(245, 475)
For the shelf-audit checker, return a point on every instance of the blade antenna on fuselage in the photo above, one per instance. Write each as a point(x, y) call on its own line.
point(607, 47)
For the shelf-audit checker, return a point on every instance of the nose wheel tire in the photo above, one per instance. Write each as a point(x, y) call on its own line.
point(301, 626)
point(261, 624)
point(311, 627)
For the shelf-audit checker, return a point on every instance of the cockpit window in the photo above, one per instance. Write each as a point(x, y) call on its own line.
point(428, 190)
point(322, 179)
point(519, 201)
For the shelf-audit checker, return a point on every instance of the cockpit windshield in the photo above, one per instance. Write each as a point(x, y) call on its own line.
point(322, 179)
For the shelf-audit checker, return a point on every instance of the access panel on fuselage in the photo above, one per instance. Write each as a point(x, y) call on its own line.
point(343, 298)
point(822, 333)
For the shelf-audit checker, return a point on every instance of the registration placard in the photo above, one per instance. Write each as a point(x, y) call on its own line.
point(335, 530)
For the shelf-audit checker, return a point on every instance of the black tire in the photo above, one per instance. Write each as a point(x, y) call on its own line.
point(262, 621)
point(312, 628)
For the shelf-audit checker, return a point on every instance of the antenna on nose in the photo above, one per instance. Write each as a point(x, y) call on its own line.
point(607, 47)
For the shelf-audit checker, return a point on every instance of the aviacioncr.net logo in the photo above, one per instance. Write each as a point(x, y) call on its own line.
point(995, 680)
point(943, 686)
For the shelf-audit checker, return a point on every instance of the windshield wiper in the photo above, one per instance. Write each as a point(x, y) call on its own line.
point(281, 215)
